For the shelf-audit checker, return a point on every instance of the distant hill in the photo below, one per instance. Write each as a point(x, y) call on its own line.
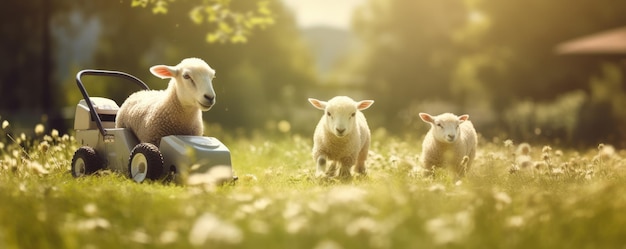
point(328, 44)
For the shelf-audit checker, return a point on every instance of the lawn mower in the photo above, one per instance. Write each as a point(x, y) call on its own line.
point(117, 149)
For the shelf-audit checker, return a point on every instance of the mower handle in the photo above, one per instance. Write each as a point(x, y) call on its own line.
point(96, 72)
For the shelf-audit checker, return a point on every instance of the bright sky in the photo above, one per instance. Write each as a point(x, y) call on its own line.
point(335, 13)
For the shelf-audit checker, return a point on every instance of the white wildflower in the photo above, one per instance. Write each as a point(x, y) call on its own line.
point(54, 133)
point(363, 225)
point(39, 129)
point(90, 209)
point(327, 244)
point(93, 224)
point(346, 195)
point(451, 228)
point(515, 221)
point(168, 237)
point(140, 236)
point(212, 228)
point(502, 199)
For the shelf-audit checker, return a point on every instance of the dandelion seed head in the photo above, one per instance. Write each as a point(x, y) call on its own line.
point(37, 168)
point(5, 124)
point(292, 210)
point(168, 237)
point(284, 126)
point(90, 209)
point(318, 207)
point(140, 236)
point(248, 178)
point(328, 244)
point(450, 228)
point(44, 146)
point(209, 227)
point(546, 149)
point(296, 225)
point(362, 225)
point(92, 224)
point(502, 200)
point(558, 153)
point(515, 221)
point(437, 188)
point(346, 195)
point(524, 149)
point(508, 143)
point(54, 133)
point(39, 129)
point(262, 204)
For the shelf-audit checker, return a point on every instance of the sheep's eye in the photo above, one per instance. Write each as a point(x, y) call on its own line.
point(328, 113)
point(440, 126)
point(186, 76)
point(352, 115)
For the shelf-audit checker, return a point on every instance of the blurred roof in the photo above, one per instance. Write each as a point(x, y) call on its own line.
point(606, 42)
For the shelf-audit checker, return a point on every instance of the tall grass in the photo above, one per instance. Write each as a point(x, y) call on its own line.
point(564, 199)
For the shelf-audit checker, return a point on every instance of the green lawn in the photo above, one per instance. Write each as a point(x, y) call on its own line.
point(574, 199)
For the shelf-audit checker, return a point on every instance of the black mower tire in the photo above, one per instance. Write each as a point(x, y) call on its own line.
point(145, 162)
point(85, 162)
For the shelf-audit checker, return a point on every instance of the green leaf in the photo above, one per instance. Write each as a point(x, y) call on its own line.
point(139, 3)
point(263, 8)
point(225, 27)
point(196, 15)
point(238, 38)
point(160, 7)
point(212, 37)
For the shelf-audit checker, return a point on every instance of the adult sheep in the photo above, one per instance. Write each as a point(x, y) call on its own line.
point(177, 110)
point(342, 136)
point(451, 141)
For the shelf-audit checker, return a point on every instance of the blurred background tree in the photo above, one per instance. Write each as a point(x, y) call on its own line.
point(488, 58)
point(493, 59)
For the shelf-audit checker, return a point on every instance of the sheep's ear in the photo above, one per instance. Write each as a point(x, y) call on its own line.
point(364, 104)
point(426, 117)
point(318, 103)
point(163, 71)
point(463, 118)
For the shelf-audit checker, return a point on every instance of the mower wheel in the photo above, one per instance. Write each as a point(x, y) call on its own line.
point(145, 161)
point(85, 162)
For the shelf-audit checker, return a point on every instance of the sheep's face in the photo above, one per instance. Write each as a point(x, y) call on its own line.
point(445, 127)
point(340, 113)
point(194, 82)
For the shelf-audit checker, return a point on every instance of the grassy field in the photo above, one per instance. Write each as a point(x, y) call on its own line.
point(564, 199)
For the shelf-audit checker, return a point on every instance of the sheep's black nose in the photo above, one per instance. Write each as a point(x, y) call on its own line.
point(451, 137)
point(209, 98)
point(340, 131)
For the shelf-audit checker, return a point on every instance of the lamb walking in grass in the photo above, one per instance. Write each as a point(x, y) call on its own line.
point(342, 137)
point(451, 141)
point(177, 110)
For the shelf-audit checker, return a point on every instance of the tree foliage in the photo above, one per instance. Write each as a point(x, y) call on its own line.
point(254, 79)
point(484, 57)
point(224, 21)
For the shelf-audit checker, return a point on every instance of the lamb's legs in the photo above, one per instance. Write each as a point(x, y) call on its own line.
point(360, 164)
point(321, 166)
point(332, 169)
point(344, 171)
point(360, 168)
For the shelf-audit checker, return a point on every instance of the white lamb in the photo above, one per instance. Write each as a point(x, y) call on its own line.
point(341, 136)
point(177, 110)
point(451, 141)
